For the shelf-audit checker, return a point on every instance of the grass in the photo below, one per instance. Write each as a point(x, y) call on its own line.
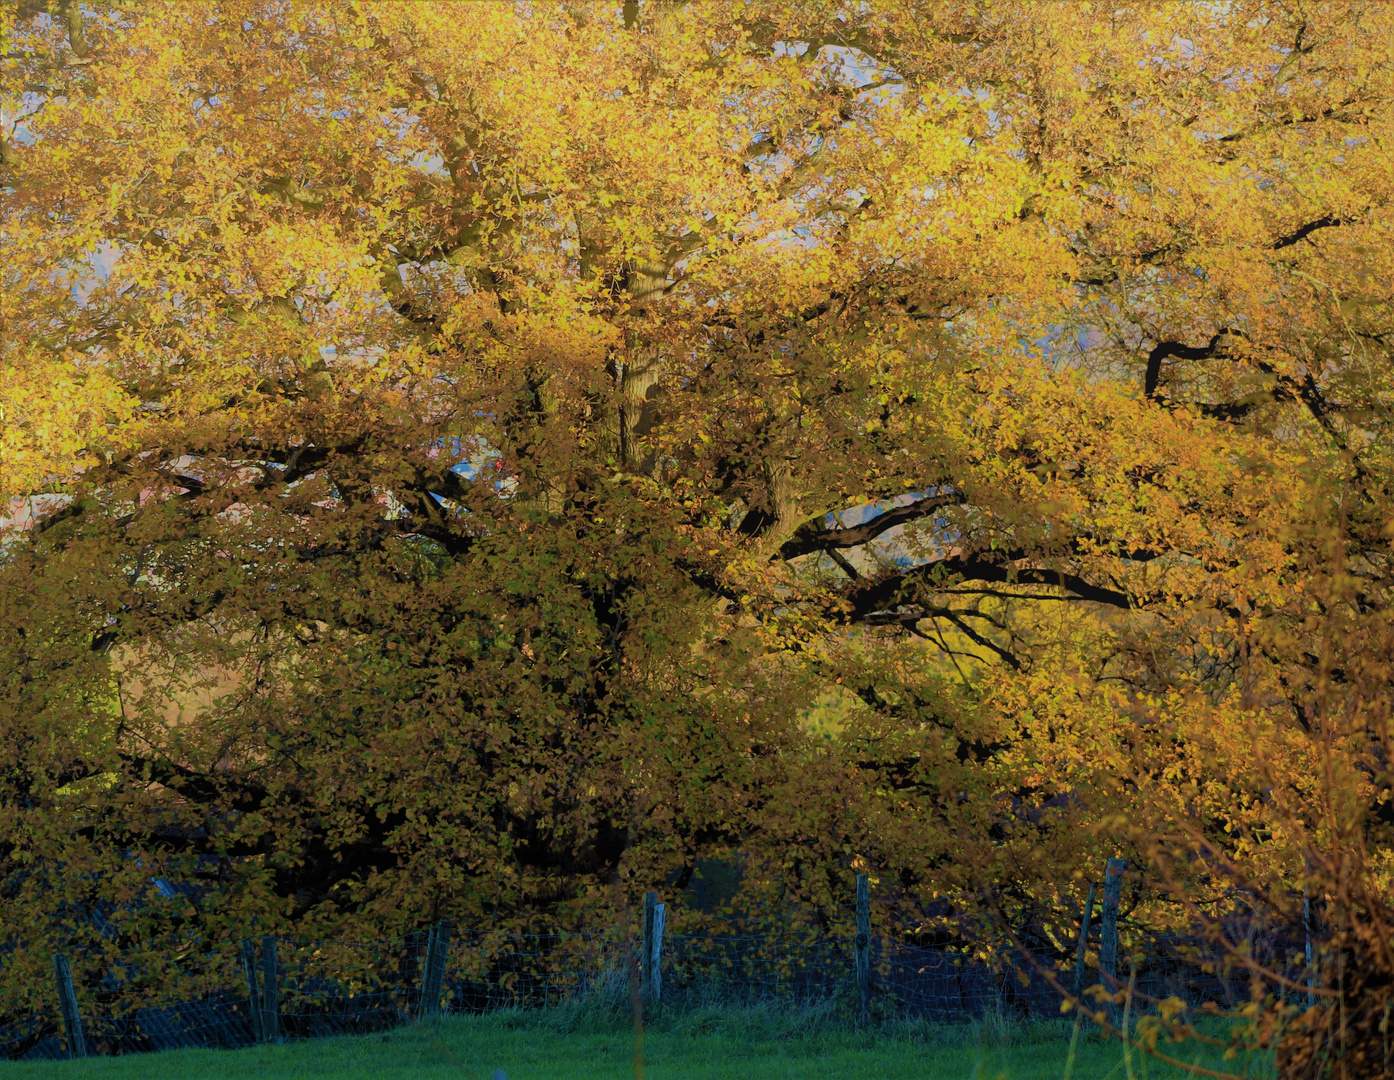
point(586, 1043)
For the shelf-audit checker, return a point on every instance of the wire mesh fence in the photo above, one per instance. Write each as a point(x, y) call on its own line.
point(339, 987)
point(946, 986)
point(797, 967)
point(122, 1011)
point(488, 970)
point(941, 986)
point(272, 989)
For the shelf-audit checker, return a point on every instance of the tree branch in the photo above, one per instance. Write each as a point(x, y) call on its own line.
point(809, 537)
point(1330, 221)
point(869, 598)
point(1164, 349)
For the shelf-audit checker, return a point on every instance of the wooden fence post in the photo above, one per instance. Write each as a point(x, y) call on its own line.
point(270, 992)
point(1311, 955)
point(646, 945)
point(249, 968)
point(1083, 940)
point(1108, 931)
point(656, 955)
point(863, 949)
point(433, 979)
point(67, 1005)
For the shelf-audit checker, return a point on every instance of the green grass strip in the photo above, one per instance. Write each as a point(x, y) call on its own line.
point(707, 1044)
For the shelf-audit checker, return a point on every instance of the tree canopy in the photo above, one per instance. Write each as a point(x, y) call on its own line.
point(482, 458)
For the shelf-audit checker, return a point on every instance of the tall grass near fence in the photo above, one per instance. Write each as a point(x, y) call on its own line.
point(592, 1039)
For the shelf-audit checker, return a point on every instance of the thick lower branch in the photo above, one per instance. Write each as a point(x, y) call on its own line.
point(884, 593)
point(810, 536)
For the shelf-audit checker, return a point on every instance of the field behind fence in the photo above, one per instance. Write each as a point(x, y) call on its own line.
point(278, 988)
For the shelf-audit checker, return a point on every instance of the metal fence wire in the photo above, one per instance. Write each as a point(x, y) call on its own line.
point(273, 989)
point(122, 1011)
point(488, 970)
point(338, 987)
point(797, 967)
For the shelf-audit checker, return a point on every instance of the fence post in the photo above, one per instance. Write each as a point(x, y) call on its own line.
point(646, 945)
point(67, 1005)
point(270, 992)
point(656, 956)
point(249, 967)
point(433, 979)
point(423, 994)
point(1307, 928)
point(1108, 931)
point(1083, 940)
point(863, 949)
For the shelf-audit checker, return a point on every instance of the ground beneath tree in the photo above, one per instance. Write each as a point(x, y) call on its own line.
point(701, 1046)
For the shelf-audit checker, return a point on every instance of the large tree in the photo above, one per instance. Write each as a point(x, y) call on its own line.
point(465, 438)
